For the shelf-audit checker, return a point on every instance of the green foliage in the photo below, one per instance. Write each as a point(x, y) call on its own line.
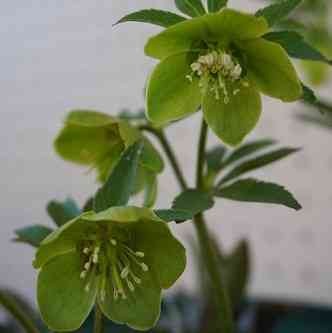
point(309, 95)
point(170, 215)
point(62, 212)
point(278, 11)
point(257, 162)
point(191, 8)
point(296, 46)
point(216, 5)
point(154, 16)
point(193, 201)
point(119, 186)
point(252, 190)
point(32, 235)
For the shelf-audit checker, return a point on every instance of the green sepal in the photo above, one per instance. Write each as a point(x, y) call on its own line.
point(270, 69)
point(63, 302)
point(231, 122)
point(226, 26)
point(170, 95)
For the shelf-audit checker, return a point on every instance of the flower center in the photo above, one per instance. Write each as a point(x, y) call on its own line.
point(219, 72)
point(113, 261)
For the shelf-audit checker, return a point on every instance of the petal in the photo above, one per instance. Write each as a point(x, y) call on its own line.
point(140, 310)
point(227, 25)
point(233, 121)
point(270, 68)
point(63, 302)
point(170, 95)
point(163, 252)
point(85, 144)
point(89, 118)
point(62, 240)
point(126, 214)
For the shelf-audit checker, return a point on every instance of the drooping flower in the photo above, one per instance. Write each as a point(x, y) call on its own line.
point(220, 62)
point(97, 140)
point(120, 258)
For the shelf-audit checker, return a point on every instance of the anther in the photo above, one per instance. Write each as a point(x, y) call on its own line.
point(87, 288)
point(130, 285)
point(86, 250)
point(145, 267)
point(140, 254)
point(87, 265)
point(125, 272)
point(113, 241)
point(83, 274)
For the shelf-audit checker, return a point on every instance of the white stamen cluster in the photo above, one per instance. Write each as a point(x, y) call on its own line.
point(120, 262)
point(217, 70)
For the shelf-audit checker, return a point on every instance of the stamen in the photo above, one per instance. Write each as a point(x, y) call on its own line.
point(130, 285)
point(86, 250)
point(140, 254)
point(125, 272)
point(145, 267)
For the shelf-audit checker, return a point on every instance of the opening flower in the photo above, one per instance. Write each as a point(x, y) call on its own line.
point(121, 258)
point(97, 140)
point(220, 62)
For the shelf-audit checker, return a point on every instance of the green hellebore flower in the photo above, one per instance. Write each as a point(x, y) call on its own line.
point(97, 139)
point(220, 62)
point(120, 258)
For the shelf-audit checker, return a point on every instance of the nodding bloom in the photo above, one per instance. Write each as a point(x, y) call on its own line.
point(120, 258)
point(97, 140)
point(221, 63)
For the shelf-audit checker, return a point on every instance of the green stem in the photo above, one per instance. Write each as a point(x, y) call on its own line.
point(98, 323)
point(169, 153)
point(222, 301)
point(18, 313)
point(212, 264)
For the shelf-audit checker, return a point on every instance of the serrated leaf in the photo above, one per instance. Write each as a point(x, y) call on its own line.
point(278, 11)
point(62, 212)
point(296, 46)
point(153, 16)
point(247, 149)
point(32, 235)
point(216, 5)
point(193, 201)
point(253, 190)
point(257, 162)
point(120, 184)
point(191, 8)
point(169, 215)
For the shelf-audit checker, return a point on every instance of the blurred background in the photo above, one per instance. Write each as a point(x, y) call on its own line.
point(60, 55)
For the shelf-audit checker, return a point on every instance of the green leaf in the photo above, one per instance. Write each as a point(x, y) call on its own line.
point(151, 189)
point(237, 270)
point(309, 95)
point(62, 212)
point(252, 190)
point(214, 158)
point(296, 46)
point(231, 122)
point(278, 11)
point(32, 235)
point(170, 95)
point(63, 302)
point(216, 5)
point(271, 70)
point(119, 186)
point(193, 201)
point(154, 16)
point(247, 149)
point(190, 7)
point(257, 162)
point(170, 215)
